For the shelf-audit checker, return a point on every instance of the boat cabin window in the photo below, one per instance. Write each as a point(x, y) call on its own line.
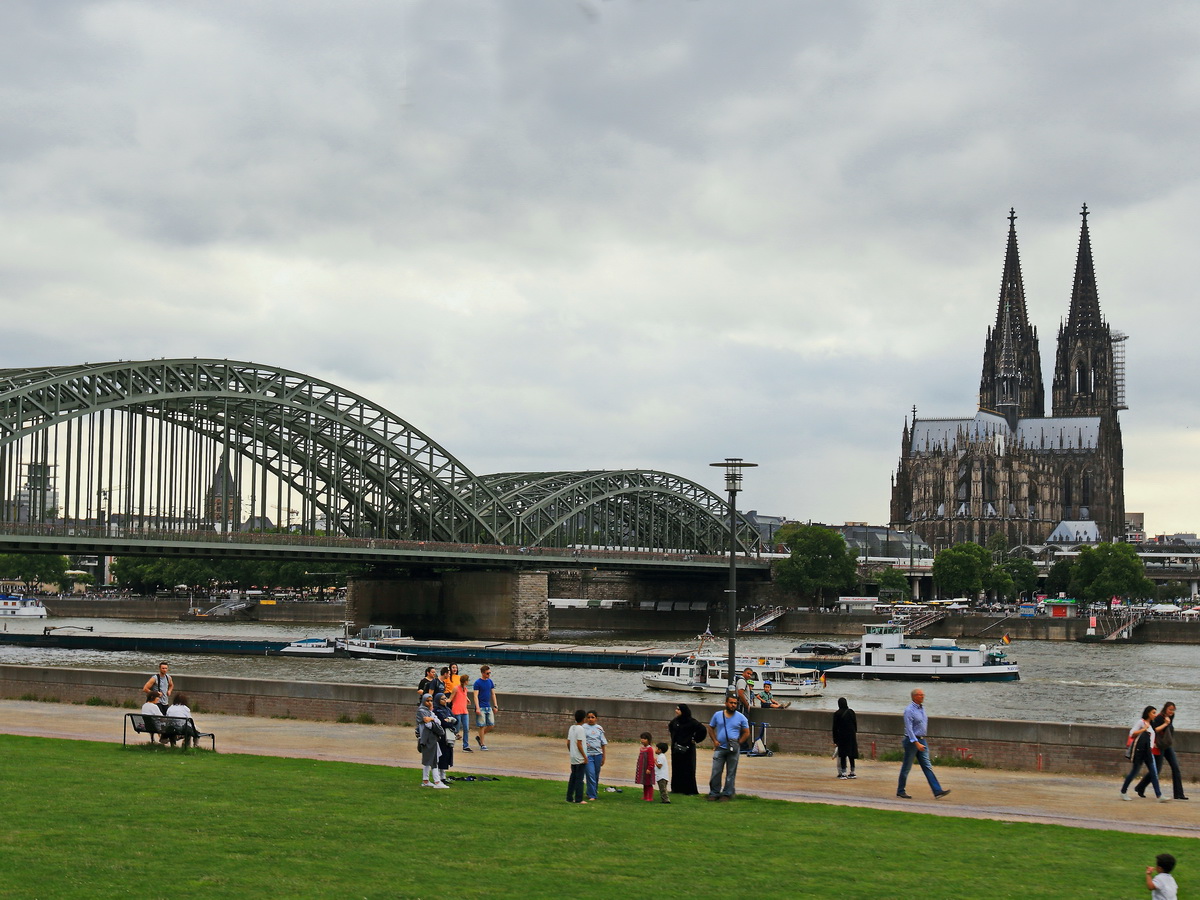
point(890, 657)
point(936, 658)
point(964, 659)
point(916, 657)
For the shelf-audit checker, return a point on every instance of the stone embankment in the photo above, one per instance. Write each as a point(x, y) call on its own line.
point(985, 628)
point(159, 609)
point(641, 621)
point(998, 743)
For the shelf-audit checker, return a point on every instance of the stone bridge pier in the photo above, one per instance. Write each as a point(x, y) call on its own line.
point(505, 605)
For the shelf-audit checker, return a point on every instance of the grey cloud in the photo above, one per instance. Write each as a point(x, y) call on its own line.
point(558, 235)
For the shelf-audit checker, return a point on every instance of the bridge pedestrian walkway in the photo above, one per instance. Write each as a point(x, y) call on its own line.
point(1084, 801)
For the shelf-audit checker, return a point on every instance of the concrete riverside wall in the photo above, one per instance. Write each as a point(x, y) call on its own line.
point(156, 609)
point(985, 628)
point(997, 743)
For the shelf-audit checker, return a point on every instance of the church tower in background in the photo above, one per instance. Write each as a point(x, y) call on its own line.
point(1010, 468)
point(1011, 382)
point(1089, 381)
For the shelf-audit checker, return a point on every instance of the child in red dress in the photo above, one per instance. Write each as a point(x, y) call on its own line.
point(645, 767)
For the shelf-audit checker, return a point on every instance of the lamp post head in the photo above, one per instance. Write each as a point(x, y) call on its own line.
point(733, 466)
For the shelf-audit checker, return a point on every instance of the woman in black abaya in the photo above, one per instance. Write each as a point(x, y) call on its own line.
point(845, 736)
point(685, 732)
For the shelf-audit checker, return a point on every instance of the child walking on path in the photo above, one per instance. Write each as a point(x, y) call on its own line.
point(644, 774)
point(662, 771)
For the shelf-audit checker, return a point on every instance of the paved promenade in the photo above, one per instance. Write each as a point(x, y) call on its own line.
point(1081, 802)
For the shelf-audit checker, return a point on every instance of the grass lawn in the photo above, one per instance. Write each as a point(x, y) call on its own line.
point(85, 819)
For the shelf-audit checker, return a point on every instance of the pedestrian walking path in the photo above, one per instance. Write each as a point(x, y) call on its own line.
point(1084, 801)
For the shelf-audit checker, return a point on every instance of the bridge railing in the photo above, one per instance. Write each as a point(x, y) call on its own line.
point(100, 533)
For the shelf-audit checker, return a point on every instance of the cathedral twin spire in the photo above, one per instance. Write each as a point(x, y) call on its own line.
point(1012, 365)
point(1011, 383)
point(1084, 370)
point(1085, 300)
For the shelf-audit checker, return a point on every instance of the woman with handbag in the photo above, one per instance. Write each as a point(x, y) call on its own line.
point(685, 733)
point(1141, 738)
point(429, 733)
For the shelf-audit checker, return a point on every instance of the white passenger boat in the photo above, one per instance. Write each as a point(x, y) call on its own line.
point(886, 655)
point(11, 605)
point(706, 672)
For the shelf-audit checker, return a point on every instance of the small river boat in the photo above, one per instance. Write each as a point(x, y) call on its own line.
point(11, 605)
point(886, 655)
point(703, 671)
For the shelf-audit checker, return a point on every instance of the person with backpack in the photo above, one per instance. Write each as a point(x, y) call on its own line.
point(164, 684)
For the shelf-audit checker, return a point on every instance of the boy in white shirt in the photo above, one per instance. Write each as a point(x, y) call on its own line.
point(662, 770)
point(1159, 880)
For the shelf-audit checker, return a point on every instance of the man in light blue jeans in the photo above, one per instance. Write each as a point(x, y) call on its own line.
point(916, 724)
point(726, 729)
point(595, 745)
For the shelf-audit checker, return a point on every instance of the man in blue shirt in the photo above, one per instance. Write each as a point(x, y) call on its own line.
point(916, 724)
point(486, 703)
point(727, 729)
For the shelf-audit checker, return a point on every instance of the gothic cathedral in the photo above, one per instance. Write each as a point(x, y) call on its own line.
point(1011, 468)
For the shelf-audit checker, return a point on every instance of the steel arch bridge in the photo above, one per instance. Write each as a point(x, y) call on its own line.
point(186, 444)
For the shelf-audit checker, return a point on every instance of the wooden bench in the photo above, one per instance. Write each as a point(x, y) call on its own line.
point(169, 727)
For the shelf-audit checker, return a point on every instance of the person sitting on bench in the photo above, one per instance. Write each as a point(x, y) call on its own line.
point(151, 708)
point(179, 710)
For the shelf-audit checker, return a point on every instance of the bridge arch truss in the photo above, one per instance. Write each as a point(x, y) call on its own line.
point(637, 509)
point(205, 444)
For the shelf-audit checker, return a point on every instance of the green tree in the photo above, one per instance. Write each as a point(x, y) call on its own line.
point(1023, 573)
point(33, 568)
point(959, 571)
point(999, 583)
point(820, 561)
point(1084, 571)
point(73, 578)
point(147, 575)
point(1107, 571)
point(997, 545)
point(1058, 579)
point(893, 584)
point(1173, 591)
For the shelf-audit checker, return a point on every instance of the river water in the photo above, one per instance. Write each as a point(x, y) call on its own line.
point(1060, 681)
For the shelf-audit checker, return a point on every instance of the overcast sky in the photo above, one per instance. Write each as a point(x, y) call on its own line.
point(566, 234)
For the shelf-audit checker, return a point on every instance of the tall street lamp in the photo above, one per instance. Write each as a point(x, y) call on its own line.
point(733, 483)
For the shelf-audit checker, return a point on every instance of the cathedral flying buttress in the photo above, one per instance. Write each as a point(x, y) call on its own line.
point(1010, 468)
